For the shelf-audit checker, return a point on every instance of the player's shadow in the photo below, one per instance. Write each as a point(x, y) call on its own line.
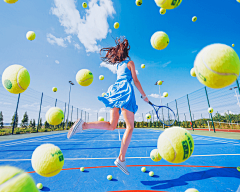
point(193, 176)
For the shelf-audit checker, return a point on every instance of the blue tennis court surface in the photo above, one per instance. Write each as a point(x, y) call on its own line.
point(212, 167)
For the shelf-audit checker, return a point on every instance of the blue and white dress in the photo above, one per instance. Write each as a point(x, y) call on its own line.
point(121, 94)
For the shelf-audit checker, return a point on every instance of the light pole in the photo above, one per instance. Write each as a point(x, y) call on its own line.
point(71, 83)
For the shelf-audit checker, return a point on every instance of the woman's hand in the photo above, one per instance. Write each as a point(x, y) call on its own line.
point(146, 99)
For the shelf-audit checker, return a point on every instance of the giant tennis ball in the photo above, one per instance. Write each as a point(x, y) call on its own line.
point(194, 19)
point(47, 160)
point(54, 116)
point(15, 79)
point(165, 94)
point(10, 1)
point(84, 5)
point(101, 77)
point(54, 89)
point(116, 25)
point(217, 66)
point(168, 4)
point(192, 72)
point(148, 116)
point(138, 2)
point(155, 156)
point(14, 179)
point(162, 11)
point(143, 66)
point(30, 35)
point(159, 40)
point(233, 45)
point(159, 82)
point(210, 110)
point(84, 77)
point(175, 145)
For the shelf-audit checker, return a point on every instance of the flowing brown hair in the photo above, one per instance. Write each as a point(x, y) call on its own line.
point(118, 53)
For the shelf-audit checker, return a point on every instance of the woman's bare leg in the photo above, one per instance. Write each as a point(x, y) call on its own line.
point(104, 125)
point(129, 119)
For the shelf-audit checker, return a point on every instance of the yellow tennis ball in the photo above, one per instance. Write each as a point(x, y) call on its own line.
point(148, 116)
point(194, 19)
point(155, 156)
point(30, 35)
point(54, 116)
point(217, 66)
point(54, 89)
point(192, 72)
point(143, 66)
point(238, 168)
point(84, 77)
point(159, 40)
point(159, 82)
point(191, 190)
point(39, 185)
point(100, 119)
point(109, 177)
point(138, 2)
point(47, 160)
point(210, 110)
point(175, 145)
point(101, 77)
point(143, 169)
point(15, 79)
point(84, 5)
point(116, 25)
point(168, 4)
point(162, 11)
point(165, 94)
point(103, 94)
point(233, 44)
point(238, 1)
point(151, 173)
point(82, 169)
point(15, 179)
point(10, 1)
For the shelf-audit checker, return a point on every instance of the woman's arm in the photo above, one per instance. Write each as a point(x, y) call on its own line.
point(131, 67)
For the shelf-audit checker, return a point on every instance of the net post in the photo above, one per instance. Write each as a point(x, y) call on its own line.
point(209, 107)
point(190, 112)
point(39, 111)
point(177, 112)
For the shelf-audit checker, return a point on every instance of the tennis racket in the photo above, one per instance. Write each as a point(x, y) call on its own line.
point(164, 114)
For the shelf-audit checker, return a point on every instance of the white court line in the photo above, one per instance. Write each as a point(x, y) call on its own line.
point(95, 140)
point(102, 158)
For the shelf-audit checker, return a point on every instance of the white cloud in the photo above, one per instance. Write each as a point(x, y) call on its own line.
point(54, 40)
point(90, 28)
point(155, 96)
point(166, 64)
point(77, 46)
point(137, 72)
point(30, 105)
point(112, 68)
point(56, 61)
point(104, 110)
point(194, 51)
point(86, 109)
point(68, 38)
point(5, 103)
point(47, 55)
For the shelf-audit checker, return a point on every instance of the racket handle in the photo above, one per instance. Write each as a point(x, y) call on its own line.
point(148, 101)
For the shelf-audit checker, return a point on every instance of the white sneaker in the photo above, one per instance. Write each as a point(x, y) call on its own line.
point(76, 128)
point(121, 165)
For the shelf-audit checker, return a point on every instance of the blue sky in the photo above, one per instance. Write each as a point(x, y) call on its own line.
point(68, 38)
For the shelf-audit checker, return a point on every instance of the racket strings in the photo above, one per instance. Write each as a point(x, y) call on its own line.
point(166, 115)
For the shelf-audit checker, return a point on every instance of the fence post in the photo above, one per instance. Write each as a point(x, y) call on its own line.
point(190, 112)
point(177, 112)
point(71, 113)
point(15, 114)
point(64, 116)
point(209, 107)
point(39, 111)
point(238, 86)
point(56, 103)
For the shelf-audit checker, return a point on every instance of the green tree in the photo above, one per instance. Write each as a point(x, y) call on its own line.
point(16, 122)
point(1, 119)
point(40, 123)
point(34, 123)
point(25, 120)
point(46, 124)
point(30, 123)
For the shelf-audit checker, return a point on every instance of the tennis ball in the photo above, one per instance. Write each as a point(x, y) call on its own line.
point(101, 77)
point(155, 156)
point(84, 5)
point(217, 66)
point(175, 145)
point(233, 45)
point(10, 1)
point(54, 116)
point(192, 72)
point(103, 94)
point(116, 25)
point(191, 190)
point(14, 179)
point(238, 168)
point(168, 4)
point(238, 1)
point(15, 79)
point(162, 11)
point(47, 160)
point(165, 94)
point(143, 66)
point(138, 2)
point(84, 77)
point(210, 110)
point(143, 169)
point(39, 185)
point(109, 177)
point(194, 19)
point(148, 116)
point(54, 89)
point(30, 35)
point(159, 40)
point(100, 119)
point(151, 173)
point(82, 169)
point(159, 82)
